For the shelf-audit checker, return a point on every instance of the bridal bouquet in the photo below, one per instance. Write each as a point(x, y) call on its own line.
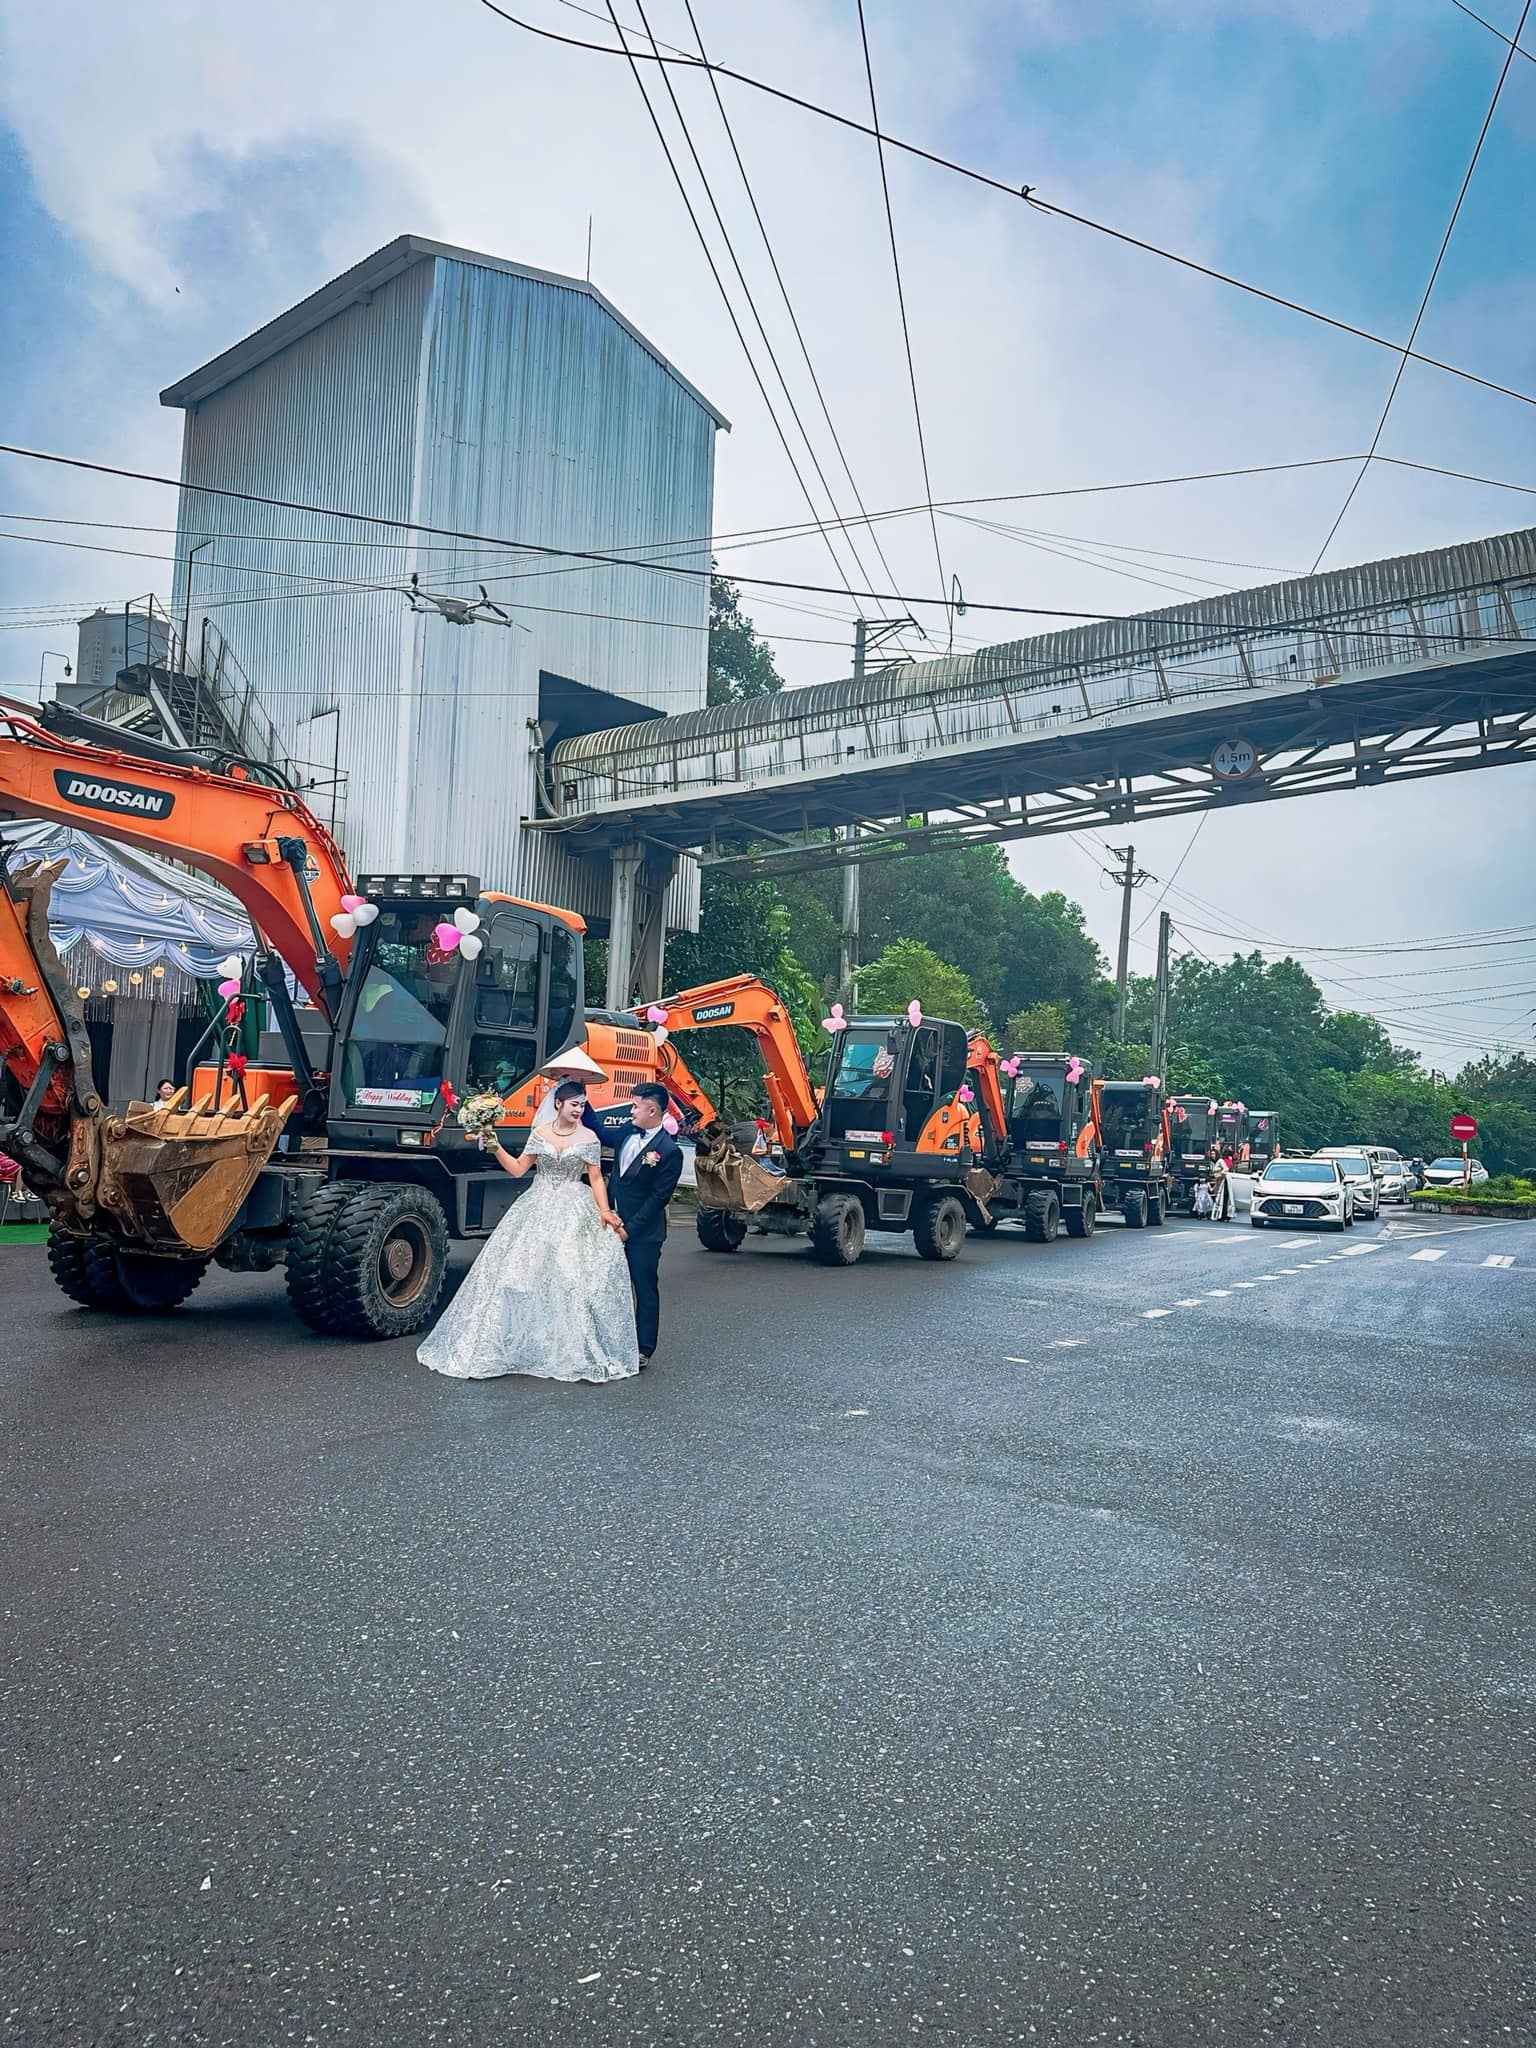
point(479, 1115)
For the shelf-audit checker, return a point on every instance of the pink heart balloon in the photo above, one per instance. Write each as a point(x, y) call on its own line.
point(229, 988)
point(670, 1124)
point(966, 1095)
point(1074, 1071)
point(353, 902)
point(914, 1013)
point(655, 1014)
point(447, 936)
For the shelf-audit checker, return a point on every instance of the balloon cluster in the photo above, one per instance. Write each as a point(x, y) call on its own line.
point(1009, 1067)
point(462, 935)
point(355, 912)
point(914, 1013)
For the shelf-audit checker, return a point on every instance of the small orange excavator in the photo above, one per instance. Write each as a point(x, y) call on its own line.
point(332, 1150)
point(896, 1140)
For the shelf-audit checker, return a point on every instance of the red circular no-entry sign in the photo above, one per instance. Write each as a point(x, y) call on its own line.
point(1463, 1127)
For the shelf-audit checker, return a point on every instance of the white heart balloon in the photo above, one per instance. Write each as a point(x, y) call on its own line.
point(343, 924)
point(231, 964)
point(471, 947)
point(466, 920)
point(365, 913)
point(662, 1034)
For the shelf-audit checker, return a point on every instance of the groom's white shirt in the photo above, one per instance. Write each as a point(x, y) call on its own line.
point(634, 1145)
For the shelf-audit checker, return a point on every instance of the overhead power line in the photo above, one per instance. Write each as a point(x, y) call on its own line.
point(901, 300)
point(1028, 194)
point(1462, 8)
point(1418, 318)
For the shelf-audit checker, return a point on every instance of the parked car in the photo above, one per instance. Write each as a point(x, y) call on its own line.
point(1363, 1175)
point(1292, 1191)
point(1449, 1173)
point(1396, 1180)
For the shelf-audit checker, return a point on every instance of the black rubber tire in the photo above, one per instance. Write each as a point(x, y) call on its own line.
point(1042, 1215)
point(1134, 1208)
point(837, 1230)
point(99, 1275)
point(1157, 1210)
point(938, 1228)
point(150, 1286)
point(309, 1294)
point(1083, 1222)
point(720, 1230)
point(66, 1262)
point(377, 1226)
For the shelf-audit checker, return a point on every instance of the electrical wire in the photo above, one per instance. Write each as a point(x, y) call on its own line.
point(1462, 8)
point(762, 229)
point(1025, 193)
point(901, 299)
point(1418, 318)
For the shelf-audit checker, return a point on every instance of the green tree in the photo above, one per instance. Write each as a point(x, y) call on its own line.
point(909, 971)
point(741, 664)
point(1040, 1028)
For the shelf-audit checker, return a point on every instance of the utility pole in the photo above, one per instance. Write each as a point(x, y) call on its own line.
point(848, 948)
point(1129, 878)
point(1160, 1010)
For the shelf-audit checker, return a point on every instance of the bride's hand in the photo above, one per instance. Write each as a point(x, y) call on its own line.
point(611, 1222)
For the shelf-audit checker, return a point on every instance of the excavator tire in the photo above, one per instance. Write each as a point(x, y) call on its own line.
point(309, 1291)
point(386, 1260)
point(1042, 1215)
point(1157, 1210)
point(66, 1262)
point(99, 1275)
point(938, 1229)
point(1134, 1208)
point(837, 1230)
point(720, 1230)
point(1082, 1222)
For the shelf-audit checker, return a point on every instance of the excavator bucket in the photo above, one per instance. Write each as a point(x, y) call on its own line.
point(174, 1179)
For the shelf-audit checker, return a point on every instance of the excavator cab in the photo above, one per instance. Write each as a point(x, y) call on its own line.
point(1194, 1132)
point(1263, 1138)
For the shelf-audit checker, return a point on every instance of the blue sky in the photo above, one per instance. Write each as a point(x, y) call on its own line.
point(1312, 145)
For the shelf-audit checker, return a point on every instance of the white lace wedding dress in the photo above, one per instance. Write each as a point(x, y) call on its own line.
point(549, 1294)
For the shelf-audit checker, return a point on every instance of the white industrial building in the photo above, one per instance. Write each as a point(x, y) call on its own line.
point(447, 390)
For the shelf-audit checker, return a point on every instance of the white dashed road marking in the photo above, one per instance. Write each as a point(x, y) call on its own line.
point(1297, 1244)
point(1498, 1259)
point(1217, 1293)
point(1440, 1254)
point(1149, 1313)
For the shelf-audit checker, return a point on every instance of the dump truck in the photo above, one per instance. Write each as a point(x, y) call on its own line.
point(333, 1150)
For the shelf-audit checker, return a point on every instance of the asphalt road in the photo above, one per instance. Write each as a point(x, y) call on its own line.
point(1112, 1642)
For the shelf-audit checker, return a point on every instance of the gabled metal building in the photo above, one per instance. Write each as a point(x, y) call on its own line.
point(447, 389)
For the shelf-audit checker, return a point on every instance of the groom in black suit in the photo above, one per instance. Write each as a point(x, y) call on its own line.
point(647, 1162)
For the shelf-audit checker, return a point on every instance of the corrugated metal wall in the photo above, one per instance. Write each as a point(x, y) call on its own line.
point(476, 400)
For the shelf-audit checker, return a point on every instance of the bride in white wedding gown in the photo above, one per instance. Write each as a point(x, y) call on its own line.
point(549, 1294)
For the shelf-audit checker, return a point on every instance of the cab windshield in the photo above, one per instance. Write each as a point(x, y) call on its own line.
point(1036, 1103)
point(1125, 1117)
point(395, 1050)
point(864, 1068)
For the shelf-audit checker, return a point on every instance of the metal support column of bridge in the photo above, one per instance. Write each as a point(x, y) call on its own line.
point(637, 924)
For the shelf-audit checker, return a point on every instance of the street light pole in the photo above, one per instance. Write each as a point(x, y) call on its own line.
point(186, 602)
point(51, 654)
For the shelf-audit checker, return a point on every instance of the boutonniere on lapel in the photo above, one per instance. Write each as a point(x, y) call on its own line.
point(653, 1159)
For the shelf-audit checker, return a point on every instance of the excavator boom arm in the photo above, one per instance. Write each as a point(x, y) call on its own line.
point(750, 1005)
point(256, 841)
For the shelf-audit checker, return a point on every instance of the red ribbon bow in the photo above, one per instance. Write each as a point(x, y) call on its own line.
point(238, 1064)
point(235, 1011)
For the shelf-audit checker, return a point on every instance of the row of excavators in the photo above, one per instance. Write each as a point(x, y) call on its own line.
point(316, 1128)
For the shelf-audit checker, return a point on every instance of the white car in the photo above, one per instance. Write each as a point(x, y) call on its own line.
point(1396, 1180)
point(1294, 1191)
point(1360, 1170)
point(1450, 1173)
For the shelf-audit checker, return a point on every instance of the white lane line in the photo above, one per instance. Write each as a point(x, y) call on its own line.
point(1067, 1343)
point(1190, 1301)
point(1015, 1361)
point(1287, 1271)
point(1440, 1254)
point(1217, 1293)
point(1297, 1244)
point(1453, 1230)
point(1500, 1259)
point(1247, 1283)
point(1148, 1314)
point(1269, 1276)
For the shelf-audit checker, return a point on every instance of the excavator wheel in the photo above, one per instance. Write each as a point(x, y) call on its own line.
point(384, 1259)
point(837, 1230)
point(307, 1273)
point(720, 1230)
point(938, 1229)
point(1042, 1215)
point(100, 1275)
point(1134, 1208)
point(1157, 1211)
point(1082, 1222)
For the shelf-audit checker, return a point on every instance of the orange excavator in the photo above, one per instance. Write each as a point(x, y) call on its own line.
point(897, 1140)
point(332, 1149)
